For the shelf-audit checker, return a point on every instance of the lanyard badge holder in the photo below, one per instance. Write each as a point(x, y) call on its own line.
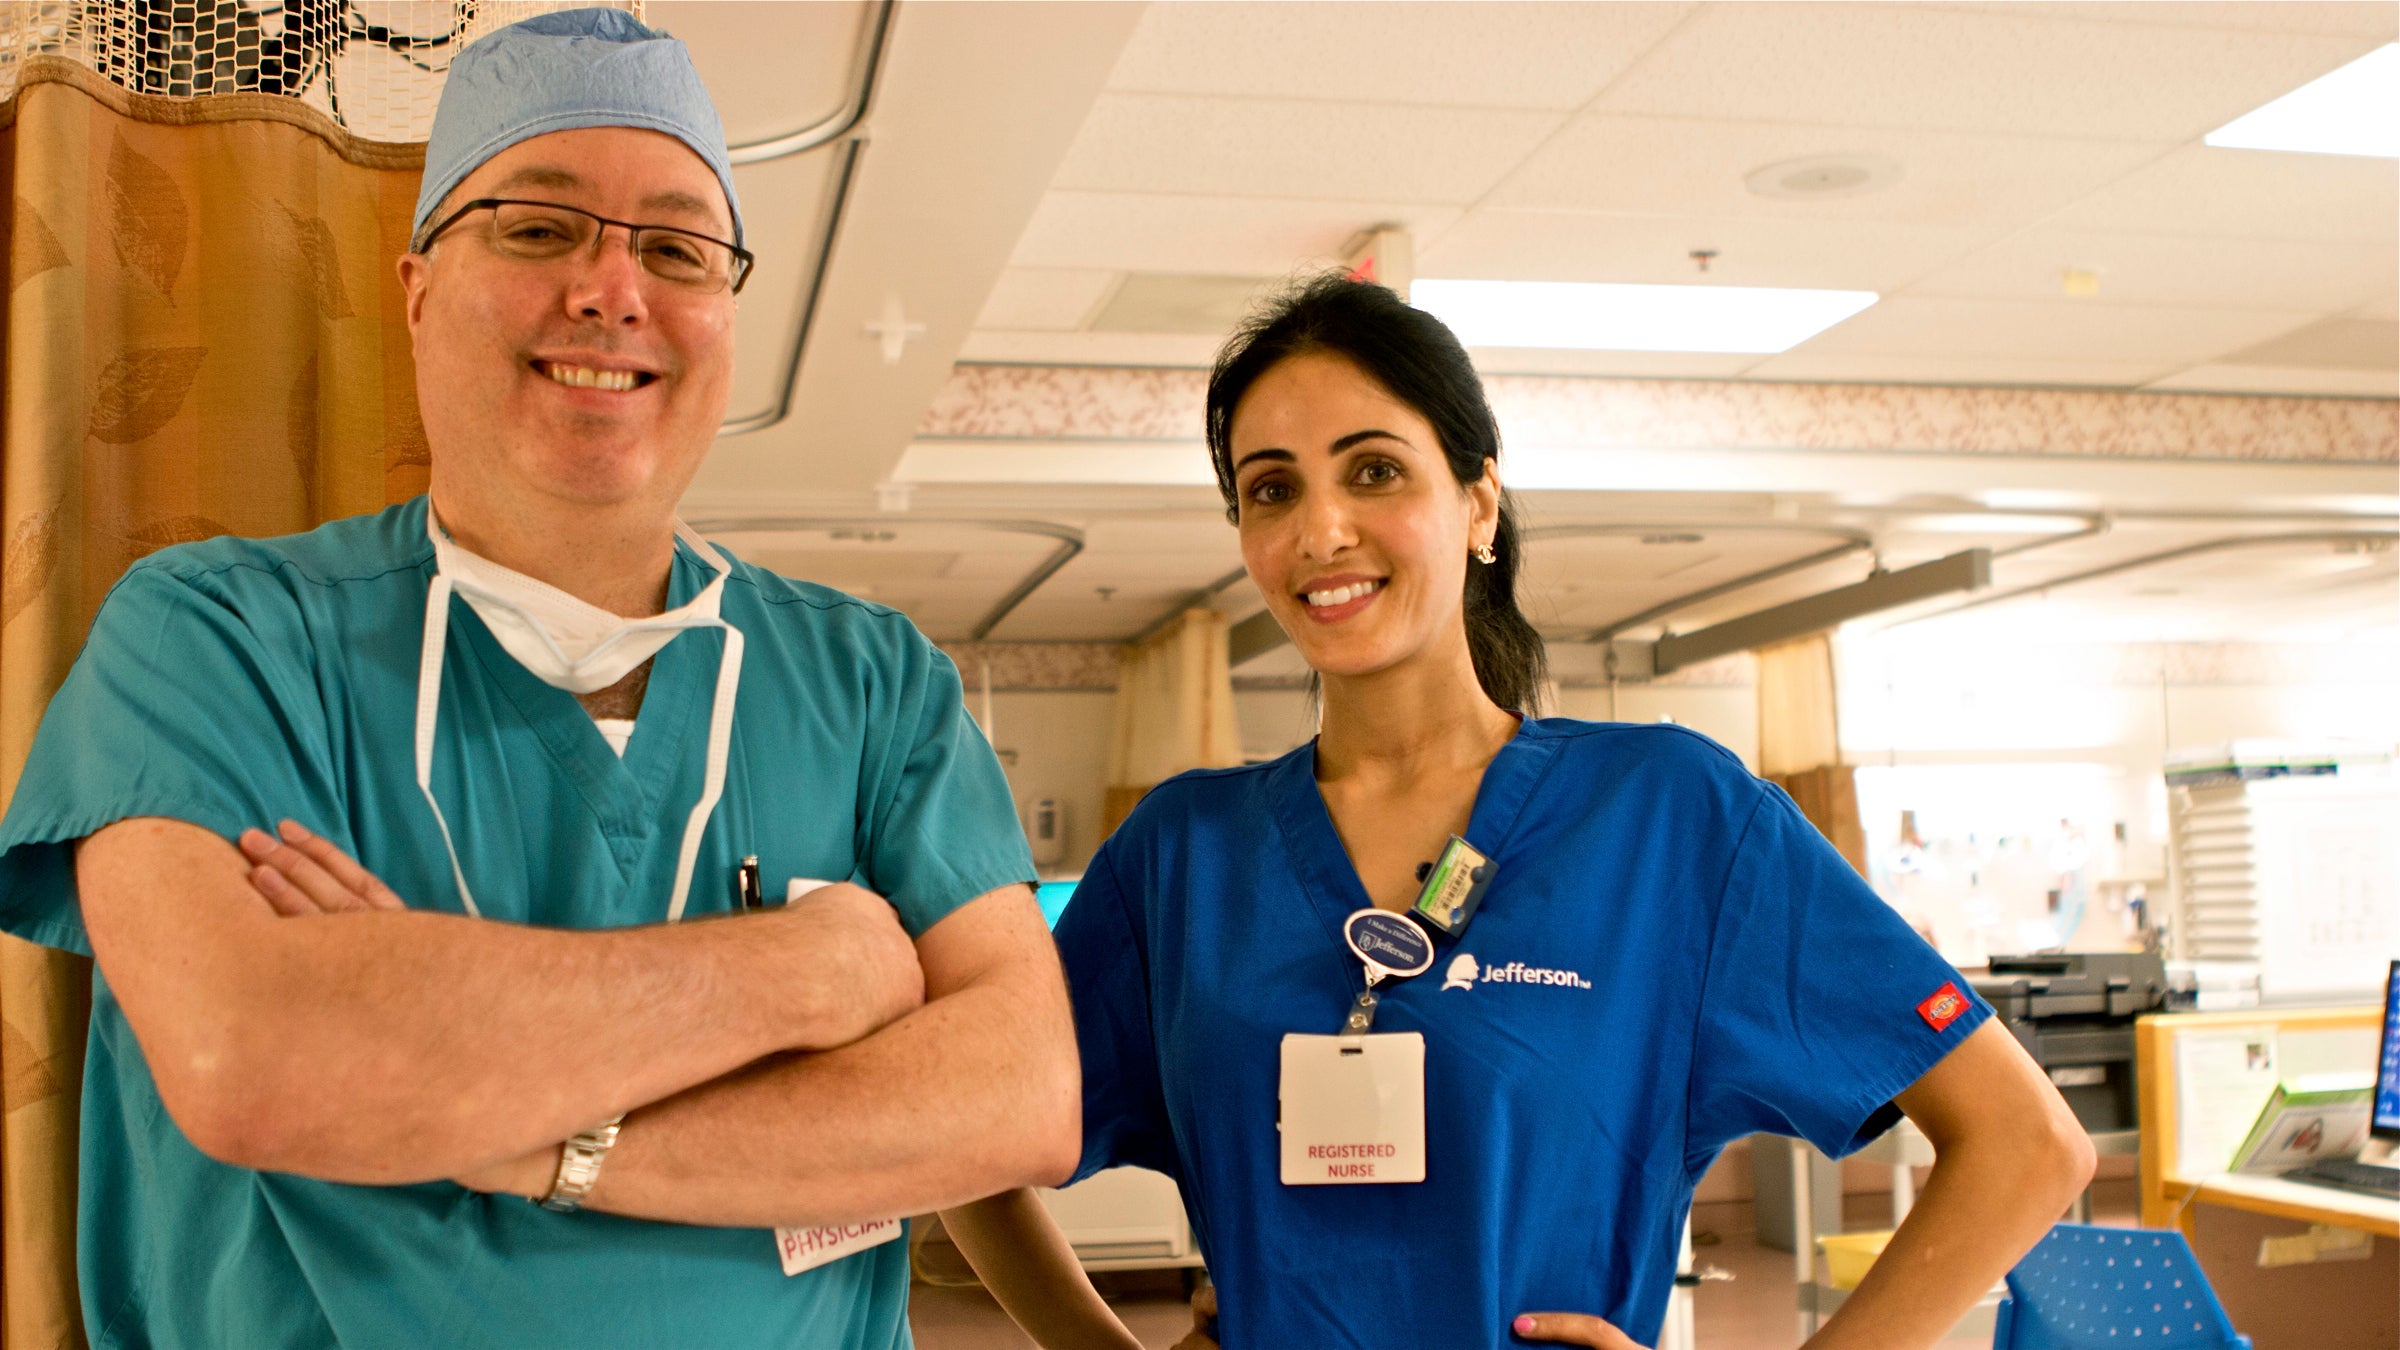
point(1352, 1105)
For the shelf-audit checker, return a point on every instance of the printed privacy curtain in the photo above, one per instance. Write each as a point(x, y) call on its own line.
point(1800, 742)
point(1174, 710)
point(204, 336)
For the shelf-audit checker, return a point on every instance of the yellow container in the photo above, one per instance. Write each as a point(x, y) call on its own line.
point(1847, 1256)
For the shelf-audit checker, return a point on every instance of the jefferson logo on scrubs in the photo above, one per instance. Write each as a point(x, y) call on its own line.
point(1462, 974)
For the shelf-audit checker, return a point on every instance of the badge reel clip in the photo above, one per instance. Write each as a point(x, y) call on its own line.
point(1390, 947)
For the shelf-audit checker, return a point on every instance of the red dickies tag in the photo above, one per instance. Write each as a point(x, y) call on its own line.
point(1943, 1008)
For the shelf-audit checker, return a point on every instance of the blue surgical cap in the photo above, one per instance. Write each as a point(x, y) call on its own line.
point(560, 71)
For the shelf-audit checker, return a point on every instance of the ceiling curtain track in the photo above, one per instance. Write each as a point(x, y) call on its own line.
point(204, 336)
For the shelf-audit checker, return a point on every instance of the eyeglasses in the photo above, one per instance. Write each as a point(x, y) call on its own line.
point(547, 232)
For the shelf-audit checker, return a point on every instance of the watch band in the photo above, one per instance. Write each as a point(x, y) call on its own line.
point(579, 1162)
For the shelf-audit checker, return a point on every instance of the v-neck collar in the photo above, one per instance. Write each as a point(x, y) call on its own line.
point(625, 793)
point(1324, 868)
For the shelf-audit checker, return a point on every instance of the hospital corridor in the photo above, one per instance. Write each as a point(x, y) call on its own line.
point(1200, 674)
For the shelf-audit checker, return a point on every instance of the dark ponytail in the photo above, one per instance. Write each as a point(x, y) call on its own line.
point(1418, 361)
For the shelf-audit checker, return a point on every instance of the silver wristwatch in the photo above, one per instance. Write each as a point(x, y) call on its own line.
point(579, 1162)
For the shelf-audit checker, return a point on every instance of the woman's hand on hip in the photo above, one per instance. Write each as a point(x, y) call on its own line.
point(1203, 1335)
point(1571, 1329)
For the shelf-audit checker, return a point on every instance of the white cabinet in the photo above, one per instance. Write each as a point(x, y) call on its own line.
point(1127, 1218)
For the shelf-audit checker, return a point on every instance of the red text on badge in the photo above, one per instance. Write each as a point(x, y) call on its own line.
point(1351, 1170)
point(807, 1248)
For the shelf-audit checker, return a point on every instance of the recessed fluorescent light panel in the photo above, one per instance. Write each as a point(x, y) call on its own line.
point(1598, 316)
point(2353, 111)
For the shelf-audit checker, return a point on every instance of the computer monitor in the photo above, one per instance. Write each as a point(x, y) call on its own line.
point(1054, 895)
point(2386, 1124)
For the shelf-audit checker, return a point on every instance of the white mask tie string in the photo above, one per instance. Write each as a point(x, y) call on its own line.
point(598, 651)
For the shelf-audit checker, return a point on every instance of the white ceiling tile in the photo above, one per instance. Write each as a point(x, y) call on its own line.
point(1648, 365)
point(1233, 235)
point(1286, 148)
point(2341, 342)
point(2358, 18)
point(1807, 365)
point(2060, 330)
point(2251, 194)
point(1182, 302)
point(2234, 379)
point(1757, 251)
point(2385, 309)
point(2153, 269)
point(1090, 349)
point(1500, 55)
point(1678, 165)
point(1913, 67)
point(1045, 298)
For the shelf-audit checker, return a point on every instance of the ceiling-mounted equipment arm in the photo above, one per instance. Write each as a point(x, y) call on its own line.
point(1195, 600)
point(2157, 559)
point(1070, 543)
point(1969, 570)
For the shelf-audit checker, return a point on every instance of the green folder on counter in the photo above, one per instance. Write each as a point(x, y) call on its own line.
point(2319, 1115)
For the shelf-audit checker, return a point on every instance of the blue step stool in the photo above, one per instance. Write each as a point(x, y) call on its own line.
point(2089, 1288)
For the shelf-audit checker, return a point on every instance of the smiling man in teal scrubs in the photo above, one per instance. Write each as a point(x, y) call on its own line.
point(406, 846)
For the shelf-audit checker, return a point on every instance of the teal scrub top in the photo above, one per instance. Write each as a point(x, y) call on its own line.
point(235, 682)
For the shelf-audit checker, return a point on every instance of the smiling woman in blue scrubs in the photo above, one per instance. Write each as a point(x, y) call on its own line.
point(1663, 955)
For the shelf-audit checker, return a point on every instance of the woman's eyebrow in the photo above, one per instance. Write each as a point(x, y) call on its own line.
point(1370, 434)
point(1340, 444)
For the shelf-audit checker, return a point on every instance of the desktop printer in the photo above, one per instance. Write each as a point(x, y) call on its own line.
point(2074, 1012)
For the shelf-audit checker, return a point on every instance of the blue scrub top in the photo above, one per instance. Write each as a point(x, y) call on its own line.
point(235, 682)
point(1669, 958)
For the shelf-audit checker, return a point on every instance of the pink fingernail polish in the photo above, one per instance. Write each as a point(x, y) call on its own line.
point(1524, 1325)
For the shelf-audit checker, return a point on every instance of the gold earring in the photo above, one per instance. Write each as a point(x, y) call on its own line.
point(1484, 554)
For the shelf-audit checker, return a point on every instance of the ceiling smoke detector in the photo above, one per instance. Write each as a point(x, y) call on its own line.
point(1819, 177)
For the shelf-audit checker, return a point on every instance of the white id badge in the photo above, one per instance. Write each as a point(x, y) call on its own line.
point(808, 1248)
point(1353, 1109)
point(800, 886)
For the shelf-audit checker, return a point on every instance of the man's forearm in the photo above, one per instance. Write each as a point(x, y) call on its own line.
point(974, 1093)
point(390, 1047)
point(431, 1044)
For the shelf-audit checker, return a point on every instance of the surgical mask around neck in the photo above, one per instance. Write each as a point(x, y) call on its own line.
point(576, 646)
point(564, 641)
